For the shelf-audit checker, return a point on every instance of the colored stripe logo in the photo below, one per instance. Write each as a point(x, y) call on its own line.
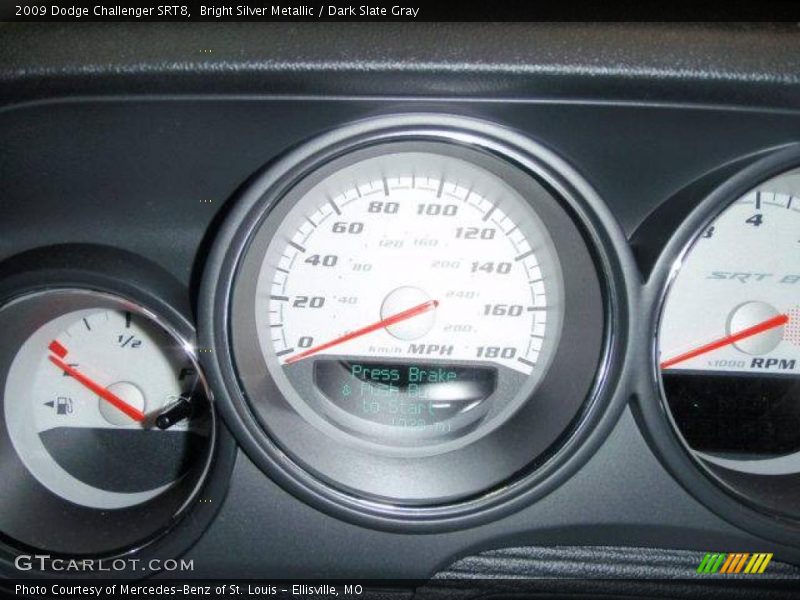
point(734, 563)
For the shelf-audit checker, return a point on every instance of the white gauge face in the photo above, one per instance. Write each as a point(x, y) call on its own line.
point(80, 400)
point(729, 339)
point(408, 289)
point(740, 274)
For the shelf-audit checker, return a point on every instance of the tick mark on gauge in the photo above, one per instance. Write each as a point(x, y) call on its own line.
point(523, 255)
point(85, 322)
point(127, 320)
point(489, 212)
point(280, 298)
point(333, 205)
point(758, 200)
point(441, 187)
point(277, 325)
point(283, 352)
point(296, 245)
point(282, 270)
point(385, 187)
point(314, 225)
point(525, 361)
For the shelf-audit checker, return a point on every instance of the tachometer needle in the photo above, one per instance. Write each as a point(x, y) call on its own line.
point(771, 323)
point(388, 321)
point(110, 397)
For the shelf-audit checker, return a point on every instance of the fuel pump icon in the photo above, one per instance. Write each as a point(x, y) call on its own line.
point(63, 406)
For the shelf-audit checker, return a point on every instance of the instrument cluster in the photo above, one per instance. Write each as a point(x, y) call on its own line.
point(414, 322)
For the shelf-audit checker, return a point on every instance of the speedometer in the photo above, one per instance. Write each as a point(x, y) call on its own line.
point(407, 313)
point(417, 296)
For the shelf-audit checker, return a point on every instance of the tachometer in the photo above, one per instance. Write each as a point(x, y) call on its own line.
point(729, 346)
point(406, 315)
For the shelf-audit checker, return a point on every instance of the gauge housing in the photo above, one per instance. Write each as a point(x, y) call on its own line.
point(36, 286)
point(738, 497)
point(376, 168)
point(447, 489)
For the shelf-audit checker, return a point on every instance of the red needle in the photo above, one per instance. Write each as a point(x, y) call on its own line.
point(401, 316)
point(771, 323)
point(132, 412)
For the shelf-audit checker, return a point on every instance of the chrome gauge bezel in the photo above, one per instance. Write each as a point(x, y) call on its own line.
point(651, 404)
point(580, 204)
point(56, 276)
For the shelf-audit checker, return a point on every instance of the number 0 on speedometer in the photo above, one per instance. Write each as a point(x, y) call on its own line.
point(412, 297)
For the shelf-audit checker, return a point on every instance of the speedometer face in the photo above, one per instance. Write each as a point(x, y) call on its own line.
point(729, 344)
point(405, 318)
point(414, 299)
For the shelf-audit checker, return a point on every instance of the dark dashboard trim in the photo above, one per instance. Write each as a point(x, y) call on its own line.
point(709, 63)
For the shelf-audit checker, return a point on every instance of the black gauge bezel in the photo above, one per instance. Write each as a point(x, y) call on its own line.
point(699, 478)
point(598, 232)
point(118, 278)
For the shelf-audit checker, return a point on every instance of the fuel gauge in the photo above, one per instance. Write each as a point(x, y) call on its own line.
point(85, 392)
point(106, 409)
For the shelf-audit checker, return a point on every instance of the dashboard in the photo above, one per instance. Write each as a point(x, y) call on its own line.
point(519, 301)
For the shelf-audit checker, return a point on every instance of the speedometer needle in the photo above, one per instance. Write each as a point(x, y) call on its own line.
point(771, 323)
point(133, 412)
point(388, 321)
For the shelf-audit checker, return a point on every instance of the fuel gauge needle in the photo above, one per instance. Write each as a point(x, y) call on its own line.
point(98, 389)
point(771, 323)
